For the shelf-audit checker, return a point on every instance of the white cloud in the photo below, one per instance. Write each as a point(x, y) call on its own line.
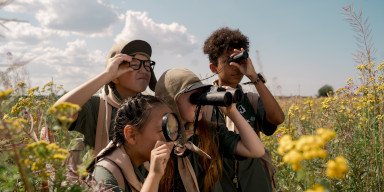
point(26, 34)
point(85, 16)
point(25, 6)
point(164, 38)
point(62, 55)
point(71, 66)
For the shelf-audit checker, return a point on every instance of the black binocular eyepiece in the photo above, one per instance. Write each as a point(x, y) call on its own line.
point(239, 57)
point(217, 96)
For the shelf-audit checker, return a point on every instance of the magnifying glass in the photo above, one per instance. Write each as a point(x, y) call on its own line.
point(171, 127)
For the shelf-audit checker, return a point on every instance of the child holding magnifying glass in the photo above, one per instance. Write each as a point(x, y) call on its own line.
point(143, 125)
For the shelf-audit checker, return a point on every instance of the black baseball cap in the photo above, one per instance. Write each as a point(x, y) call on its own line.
point(132, 48)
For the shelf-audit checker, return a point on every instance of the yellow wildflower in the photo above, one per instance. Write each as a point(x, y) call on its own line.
point(292, 157)
point(285, 144)
point(59, 156)
point(296, 166)
point(62, 118)
point(316, 188)
point(5, 93)
point(48, 84)
point(326, 134)
point(21, 84)
point(337, 168)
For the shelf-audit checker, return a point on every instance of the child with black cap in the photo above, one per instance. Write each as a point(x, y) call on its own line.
point(128, 72)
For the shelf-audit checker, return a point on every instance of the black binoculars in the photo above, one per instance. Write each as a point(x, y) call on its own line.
point(239, 57)
point(217, 96)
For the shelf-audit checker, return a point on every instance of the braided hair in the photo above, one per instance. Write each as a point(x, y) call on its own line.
point(134, 111)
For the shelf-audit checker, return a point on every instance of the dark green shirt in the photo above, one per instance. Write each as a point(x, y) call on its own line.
point(86, 122)
point(251, 173)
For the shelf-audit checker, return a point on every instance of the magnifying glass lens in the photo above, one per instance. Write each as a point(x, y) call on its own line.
point(171, 127)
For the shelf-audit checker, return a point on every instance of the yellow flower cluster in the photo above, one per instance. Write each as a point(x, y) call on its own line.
point(29, 101)
point(5, 93)
point(47, 86)
point(310, 146)
point(282, 130)
point(64, 111)
point(39, 154)
point(325, 134)
point(14, 123)
point(337, 168)
point(293, 157)
point(326, 103)
point(306, 147)
point(21, 104)
point(316, 188)
point(285, 144)
point(64, 107)
point(292, 110)
point(31, 90)
point(21, 84)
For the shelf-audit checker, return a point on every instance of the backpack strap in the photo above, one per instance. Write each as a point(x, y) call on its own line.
point(254, 99)
point(115, 170)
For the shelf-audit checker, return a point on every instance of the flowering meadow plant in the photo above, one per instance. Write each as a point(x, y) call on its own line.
point(335, 143)
point(34, 141)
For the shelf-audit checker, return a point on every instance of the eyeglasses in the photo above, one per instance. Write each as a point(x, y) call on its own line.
point(136, 64)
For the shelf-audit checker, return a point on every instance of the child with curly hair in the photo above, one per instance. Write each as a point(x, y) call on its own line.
point(261, 110)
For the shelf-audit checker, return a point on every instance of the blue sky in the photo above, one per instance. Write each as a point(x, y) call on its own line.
point(301, 44)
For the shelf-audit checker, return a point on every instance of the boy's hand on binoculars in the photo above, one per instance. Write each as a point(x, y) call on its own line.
point(245, 66)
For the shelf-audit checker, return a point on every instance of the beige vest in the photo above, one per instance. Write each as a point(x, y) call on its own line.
point(120, 165)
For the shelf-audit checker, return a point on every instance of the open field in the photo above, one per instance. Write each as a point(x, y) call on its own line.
point(352, 133)
point(332, 143)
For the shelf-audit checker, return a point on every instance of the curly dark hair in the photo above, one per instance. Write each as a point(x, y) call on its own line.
point(222, 41)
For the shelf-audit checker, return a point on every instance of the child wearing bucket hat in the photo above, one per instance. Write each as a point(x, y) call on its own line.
point(128, 72)
point(200, 169)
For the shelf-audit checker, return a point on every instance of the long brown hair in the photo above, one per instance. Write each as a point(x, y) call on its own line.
point(208, 142)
